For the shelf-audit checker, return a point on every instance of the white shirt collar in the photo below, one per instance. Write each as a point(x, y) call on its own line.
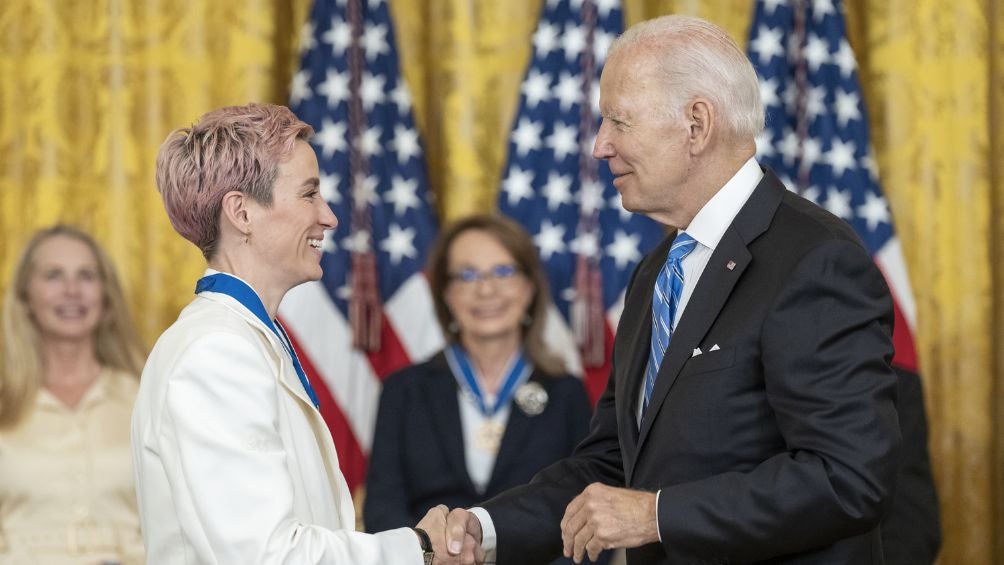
point(710, 223)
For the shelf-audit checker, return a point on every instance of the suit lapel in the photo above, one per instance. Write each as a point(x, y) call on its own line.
point(440, 396)
point(726, 265)
point(634, 332)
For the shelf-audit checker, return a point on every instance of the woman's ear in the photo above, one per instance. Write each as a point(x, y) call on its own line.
point(235, 213)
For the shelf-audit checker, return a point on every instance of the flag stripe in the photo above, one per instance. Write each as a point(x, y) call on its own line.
point(890, 258)
point(407, 309)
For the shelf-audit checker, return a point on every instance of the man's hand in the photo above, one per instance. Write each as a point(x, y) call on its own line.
point(455, 535)
point(604, 517)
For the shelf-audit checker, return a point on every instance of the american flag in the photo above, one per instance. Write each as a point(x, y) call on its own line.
point(373, 293)
point(817, 136)
point(552, 185)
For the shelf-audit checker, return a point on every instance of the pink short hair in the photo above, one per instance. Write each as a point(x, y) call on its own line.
point(233, 148)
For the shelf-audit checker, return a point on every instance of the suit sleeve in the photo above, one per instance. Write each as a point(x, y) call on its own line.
point(825, 352)
point(386, 504)
point(228, 467)
point(579, 413)
point(911, 531)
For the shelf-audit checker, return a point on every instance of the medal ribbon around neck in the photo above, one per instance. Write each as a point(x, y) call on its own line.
point(518, 372)
point(240, 291)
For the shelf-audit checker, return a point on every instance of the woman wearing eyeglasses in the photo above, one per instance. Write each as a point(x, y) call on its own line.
point(495, 406)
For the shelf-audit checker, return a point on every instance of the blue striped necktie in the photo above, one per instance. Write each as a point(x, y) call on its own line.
point(666, 298)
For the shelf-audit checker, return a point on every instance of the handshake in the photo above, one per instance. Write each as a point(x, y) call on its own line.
point(601, 517)
point(455, 535)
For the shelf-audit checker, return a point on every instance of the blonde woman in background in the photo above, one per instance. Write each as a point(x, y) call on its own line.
point(70, 360)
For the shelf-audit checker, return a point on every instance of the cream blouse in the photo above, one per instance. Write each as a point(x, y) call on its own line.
point(66, 481)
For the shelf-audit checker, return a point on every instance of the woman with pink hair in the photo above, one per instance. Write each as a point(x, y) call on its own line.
point(234, 464)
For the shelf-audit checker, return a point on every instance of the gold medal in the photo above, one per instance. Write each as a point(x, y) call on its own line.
point(489, 436)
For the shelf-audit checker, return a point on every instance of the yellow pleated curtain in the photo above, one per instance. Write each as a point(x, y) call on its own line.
point(88, 90)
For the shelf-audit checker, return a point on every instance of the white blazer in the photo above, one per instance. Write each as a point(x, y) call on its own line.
point(233, 464)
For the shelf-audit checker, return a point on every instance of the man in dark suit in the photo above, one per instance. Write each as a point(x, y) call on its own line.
point(749, 416)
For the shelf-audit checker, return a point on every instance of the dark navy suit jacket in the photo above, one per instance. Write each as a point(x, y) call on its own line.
point(778, 444)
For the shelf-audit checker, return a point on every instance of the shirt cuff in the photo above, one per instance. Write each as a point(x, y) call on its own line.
point(488, 540)
point(658, 530)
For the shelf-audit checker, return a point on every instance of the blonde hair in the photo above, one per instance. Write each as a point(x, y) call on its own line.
point(116, 344)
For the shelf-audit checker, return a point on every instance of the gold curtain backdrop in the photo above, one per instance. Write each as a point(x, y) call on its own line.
point(88, 90)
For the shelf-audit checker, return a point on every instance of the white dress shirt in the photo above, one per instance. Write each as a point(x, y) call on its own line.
point(707, 228)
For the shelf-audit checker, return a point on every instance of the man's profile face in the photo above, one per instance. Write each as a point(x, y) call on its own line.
point(646, 150)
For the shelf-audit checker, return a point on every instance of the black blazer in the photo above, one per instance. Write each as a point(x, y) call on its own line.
point(911, 530)
point(780, 446)
point(417, 459)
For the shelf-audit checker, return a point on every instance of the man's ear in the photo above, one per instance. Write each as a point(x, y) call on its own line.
point(700, 116)
point(235, 212)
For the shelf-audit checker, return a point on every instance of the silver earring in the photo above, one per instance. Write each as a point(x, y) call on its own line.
point(527, 319)
point(453, 327)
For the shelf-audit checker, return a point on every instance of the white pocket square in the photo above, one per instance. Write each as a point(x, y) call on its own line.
point(714, 347)
point(697, 351)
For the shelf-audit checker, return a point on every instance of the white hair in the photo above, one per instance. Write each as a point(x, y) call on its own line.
point(697, 58)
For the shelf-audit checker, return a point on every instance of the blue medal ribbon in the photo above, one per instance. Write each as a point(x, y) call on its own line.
point(240, 291)
point(460, 365)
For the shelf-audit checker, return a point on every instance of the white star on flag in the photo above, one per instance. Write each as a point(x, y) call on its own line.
point(874, 211)
point(335, 88)
point(375, 42)
point(527, 136)
point(624, 249)
point(401, 98)
point(331, 138)
point(838, 202)
point(846, 107)
point(405, 143)
point(372, 90)
point(517, 185)
point(573, 41)
point(564, 141)
point(568, 91)
point(399, 243)
point(536, 88)
point(558, 190)
point(339, 37)
point(300, 89)
point(550, 239)
point(403, 195)
point(328, 186)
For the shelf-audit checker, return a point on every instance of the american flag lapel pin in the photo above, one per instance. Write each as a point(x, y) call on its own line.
point(730, 265)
